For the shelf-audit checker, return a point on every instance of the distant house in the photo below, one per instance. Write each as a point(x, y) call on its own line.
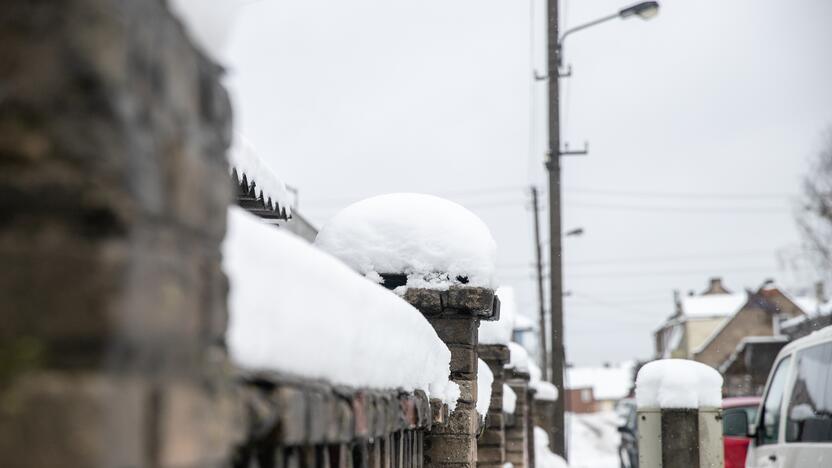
point(695, 319)
point(591, 389)
point(818, 315)
point(581, 400)
point(746, 369)
point(759, 316)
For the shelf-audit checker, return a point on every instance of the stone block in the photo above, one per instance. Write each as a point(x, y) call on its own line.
point(518, 459)
point(515, 445)
point(490, 455)
point(491, 437)
point(197, 425)
point(428, 301)
point(342, 425)
point(321, 408)
point(53, 418)
point(450, 449)
point(463, 420)
point(292, 412)
point(495, 421)
point(467, 391)
point(463, 362)
point(439, 412)
point(472, 301)
point(496, 405)
point(496, 356)
point(456, 330)
point(515, 432)
point(449, 465)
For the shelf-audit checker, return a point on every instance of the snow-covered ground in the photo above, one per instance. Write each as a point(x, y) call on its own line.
point(593, 440)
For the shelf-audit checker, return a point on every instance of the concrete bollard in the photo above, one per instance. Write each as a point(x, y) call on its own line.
point(679, 415)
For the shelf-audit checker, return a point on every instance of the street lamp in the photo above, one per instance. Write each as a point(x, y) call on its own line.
point(644, 10)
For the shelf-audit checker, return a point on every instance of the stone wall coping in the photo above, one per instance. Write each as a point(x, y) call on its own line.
point(290, 411)
point(514, 374)
point(457, 301)
point(496, 353)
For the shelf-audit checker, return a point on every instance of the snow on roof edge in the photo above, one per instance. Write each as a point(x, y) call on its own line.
point(243, 158)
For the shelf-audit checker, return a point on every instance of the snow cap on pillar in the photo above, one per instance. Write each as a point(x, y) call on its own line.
point(435, 243)
point(678, 383)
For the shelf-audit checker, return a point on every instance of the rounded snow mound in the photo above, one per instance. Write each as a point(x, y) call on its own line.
point(678, 383)
point(433, 241)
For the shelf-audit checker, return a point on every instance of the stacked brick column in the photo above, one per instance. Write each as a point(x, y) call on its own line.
point(113, 193)
point(530, 411)
point(517, 433)
point(455, 315)
point(544, 417)
point(491, 445)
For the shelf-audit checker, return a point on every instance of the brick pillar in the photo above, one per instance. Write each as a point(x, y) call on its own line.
point(544, 416)
point(491, 445)
point(530, 410)
point(517, 433)
point(113, 193)
point(455, 315)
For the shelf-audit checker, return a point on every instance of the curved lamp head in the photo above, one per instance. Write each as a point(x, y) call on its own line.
point(644, 10)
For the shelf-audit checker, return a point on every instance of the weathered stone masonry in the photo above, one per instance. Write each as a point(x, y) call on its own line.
point(518, 432)
point(491, 445)
point(455, 315)
point(113, 193)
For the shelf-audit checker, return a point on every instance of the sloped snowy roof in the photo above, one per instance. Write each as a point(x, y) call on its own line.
point(712, 305)
point(608, 383)
point(327, 322)
point(244, 161)
point(435, 242)
point(500, 331)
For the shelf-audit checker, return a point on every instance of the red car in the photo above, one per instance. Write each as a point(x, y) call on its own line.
point(737, 413)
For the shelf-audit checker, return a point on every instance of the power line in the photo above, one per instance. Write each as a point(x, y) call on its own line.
point(660, 194)
point(668, 272)
point(652, 259)
point(660, 259)
point(677, 209)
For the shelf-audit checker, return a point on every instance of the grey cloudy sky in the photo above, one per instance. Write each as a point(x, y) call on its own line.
point(348, 99)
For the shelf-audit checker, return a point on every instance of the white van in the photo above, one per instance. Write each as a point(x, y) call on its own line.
point(794, 424)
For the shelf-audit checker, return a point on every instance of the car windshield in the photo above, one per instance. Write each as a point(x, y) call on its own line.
point(732, 422)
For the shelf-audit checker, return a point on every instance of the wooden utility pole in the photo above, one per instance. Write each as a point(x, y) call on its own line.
point(544, 361)
point(558, 357)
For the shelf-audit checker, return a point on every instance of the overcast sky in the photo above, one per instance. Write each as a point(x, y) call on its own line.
point(724, 100)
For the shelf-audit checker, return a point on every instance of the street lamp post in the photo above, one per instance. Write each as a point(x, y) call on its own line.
point(644, 10)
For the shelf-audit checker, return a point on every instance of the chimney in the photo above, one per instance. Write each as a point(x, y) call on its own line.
point(716, 287)
point(820, 294)
point(677, 302)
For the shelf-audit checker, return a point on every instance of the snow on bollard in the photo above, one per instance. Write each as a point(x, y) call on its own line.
point(679, 415)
